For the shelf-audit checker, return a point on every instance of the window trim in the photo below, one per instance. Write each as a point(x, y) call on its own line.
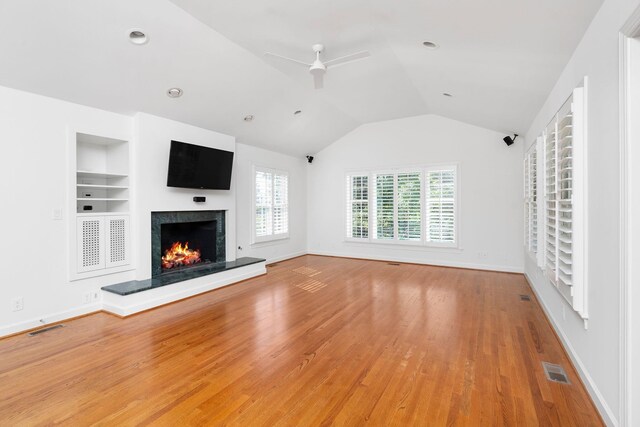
point(256, 240)
point(423, 243)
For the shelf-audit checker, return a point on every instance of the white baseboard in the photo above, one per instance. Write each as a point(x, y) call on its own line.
point(605, 411)
point(126, 305)
point(474, 266)
point(130, 304)
point(42, 321)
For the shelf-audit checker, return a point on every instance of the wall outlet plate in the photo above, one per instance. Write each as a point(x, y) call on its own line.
point(17, 304)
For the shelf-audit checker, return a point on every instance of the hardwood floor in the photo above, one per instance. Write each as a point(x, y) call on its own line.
point(316, 341)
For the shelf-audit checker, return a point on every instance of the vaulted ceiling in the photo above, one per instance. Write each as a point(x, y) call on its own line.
point(499, 58)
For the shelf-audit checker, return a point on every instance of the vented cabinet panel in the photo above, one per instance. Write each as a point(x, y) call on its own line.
point(117, 241)
point(91, 255)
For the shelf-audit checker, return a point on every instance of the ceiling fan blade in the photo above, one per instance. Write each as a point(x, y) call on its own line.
point(287, 59)
point(348, 58)
point(318, 81)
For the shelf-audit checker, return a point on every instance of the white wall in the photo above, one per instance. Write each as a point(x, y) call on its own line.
point(596, 350)
point(296, 244)
point(35, 179)
point(153, 137)
point(33, 182)
point(490, 185)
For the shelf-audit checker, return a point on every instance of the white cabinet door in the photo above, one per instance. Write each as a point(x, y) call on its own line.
point(117, 241)
point(91, 254)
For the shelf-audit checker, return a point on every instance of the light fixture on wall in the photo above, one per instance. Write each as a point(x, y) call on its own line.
point(138, 37)
point(248, 118)
point(509, 140)
point(174, 92)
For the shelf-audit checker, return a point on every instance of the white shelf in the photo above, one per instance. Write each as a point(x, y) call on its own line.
point(92, 213)
point(114, 187)
point(101, 199)
point(93, 174)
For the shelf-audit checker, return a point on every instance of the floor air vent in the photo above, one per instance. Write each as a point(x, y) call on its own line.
point(555, 373)
point(525, 298)
point(43, 330)
point(393, 263)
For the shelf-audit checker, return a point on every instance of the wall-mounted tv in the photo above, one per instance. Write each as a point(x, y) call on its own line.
point(195, 166)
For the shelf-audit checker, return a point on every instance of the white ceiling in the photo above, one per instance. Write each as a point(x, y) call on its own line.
point(499, 58)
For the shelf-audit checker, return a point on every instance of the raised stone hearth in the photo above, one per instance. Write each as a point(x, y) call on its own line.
point(134, 286)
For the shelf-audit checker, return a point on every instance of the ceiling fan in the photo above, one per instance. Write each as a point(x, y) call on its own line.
point(319, 68)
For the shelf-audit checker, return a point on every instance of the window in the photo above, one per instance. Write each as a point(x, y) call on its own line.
point(531, 201)
point(383, 204)
point(271, 205)
point(409, 206)
point(441, 205)
point(564, 213)
point(358, 207)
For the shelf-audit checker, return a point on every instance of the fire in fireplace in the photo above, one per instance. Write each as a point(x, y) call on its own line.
point(180, 255)
point(185, 240)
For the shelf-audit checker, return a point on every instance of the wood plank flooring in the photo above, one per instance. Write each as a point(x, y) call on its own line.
point(317, 341)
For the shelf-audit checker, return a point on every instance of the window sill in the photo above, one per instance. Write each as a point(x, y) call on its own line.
point(412, 246)
point(272, 240)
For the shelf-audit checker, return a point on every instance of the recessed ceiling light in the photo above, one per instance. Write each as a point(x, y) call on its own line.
point(448, 95)
point(174, 92)
point(430, 45)
point(248, 118)
point(137, 36)
point(295, 113)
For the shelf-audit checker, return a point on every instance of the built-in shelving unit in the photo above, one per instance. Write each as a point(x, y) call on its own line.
point(102, 199)
point(102, 175)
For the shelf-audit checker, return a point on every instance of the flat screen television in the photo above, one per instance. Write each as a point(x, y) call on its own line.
point(195, 166)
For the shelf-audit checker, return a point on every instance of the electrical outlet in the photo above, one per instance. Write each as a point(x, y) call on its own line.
point(95, 296)
point(56, 214)
point(482, 254)
point(86, 298)
point(17, 304)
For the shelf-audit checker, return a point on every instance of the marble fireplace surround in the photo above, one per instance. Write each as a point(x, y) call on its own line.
point(226, 272)
point(179, 217)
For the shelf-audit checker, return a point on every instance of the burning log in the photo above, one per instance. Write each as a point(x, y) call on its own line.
point(179, 256)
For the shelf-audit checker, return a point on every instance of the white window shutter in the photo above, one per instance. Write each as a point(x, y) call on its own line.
point(280, 204)
point(271, 204)
point(409, 206)
point(441, 206)
point(263, 203)
point(357, 206)
point(384, 207)
point(564, 202)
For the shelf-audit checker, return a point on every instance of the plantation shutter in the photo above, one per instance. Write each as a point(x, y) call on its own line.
point(564, 204)
point(530, 202)
point(280, 204)
point(384, 205)
point(409, 206)
point(564, 193)
point(527, 187)
point(533, 205)
point(357, 207)
point(271, 201)
point(551, 237)
point(441, 206)
point(263, 203)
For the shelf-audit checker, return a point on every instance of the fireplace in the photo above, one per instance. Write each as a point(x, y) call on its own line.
point(185, 240)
